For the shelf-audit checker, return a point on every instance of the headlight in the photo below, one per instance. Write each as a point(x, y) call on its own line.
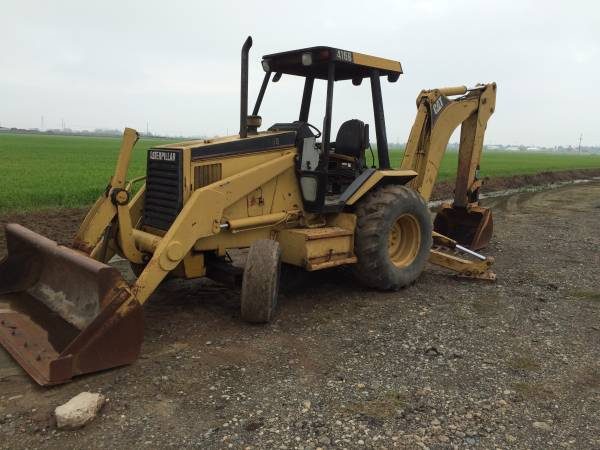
point(309, 188)
point(306, 59)
point(266, 66)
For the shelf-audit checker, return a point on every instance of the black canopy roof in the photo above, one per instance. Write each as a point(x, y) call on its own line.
point(313, 62)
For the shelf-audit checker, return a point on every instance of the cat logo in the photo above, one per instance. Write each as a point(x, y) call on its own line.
point(438, 105)
point(162, 156)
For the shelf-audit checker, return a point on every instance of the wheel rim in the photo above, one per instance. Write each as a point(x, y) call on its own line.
point(404, 240)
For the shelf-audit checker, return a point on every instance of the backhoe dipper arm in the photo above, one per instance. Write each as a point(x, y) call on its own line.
point(437, 118)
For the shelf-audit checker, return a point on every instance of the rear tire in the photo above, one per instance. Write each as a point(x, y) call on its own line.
point(260, 285)
point(393, 237)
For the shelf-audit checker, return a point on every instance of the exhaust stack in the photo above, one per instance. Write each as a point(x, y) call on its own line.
point(244, 89)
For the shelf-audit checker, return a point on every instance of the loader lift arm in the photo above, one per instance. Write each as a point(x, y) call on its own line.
point(100, 217)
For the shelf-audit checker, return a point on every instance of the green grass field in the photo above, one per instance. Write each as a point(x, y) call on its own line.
point(40, 171)
point(44, 171)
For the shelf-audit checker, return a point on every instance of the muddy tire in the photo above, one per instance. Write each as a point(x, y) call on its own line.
point(260, 285)
point(393, 237)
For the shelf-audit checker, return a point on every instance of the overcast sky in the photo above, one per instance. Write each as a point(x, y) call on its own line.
point(175, 64)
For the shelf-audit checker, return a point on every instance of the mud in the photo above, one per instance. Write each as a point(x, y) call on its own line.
point(445, 190)
point(446, 362)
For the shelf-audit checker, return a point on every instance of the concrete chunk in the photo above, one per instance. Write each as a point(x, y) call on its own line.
point(78, 411)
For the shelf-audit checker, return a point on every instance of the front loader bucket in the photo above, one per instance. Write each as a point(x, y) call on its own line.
point(471, 226)
point(63, 313)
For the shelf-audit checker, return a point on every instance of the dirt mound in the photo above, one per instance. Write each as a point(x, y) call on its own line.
point(445, 190)
point(57, 224)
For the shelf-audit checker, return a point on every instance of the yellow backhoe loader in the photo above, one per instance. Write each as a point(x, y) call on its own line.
point(290, 194)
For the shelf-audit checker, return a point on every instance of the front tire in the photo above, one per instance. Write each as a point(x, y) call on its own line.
point(260, 284)
point(393, 237)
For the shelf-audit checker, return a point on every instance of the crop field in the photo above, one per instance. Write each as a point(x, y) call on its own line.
point(46, 171)
point(40, 171)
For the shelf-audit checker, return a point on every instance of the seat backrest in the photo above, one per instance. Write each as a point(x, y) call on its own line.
point(350, 138)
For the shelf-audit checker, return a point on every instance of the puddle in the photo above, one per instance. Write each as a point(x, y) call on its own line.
point(507, 192)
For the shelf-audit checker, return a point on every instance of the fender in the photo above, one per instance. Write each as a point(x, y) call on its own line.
point(371, 179)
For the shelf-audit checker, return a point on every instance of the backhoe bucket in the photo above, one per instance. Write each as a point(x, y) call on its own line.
point(63, 313)
point(471, 226)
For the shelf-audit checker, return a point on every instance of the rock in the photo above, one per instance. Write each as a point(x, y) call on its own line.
point(324, 440)
point(510, 439)
point(78, 411)
point(253, 425)
point(542, 426)
point(432, 351)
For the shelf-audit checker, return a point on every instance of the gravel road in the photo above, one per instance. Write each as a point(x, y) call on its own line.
point(446, 363)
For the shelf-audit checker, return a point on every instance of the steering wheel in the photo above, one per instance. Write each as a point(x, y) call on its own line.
point(310, 125)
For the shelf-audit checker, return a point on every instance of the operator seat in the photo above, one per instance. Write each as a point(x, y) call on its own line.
point(351, 139)
point(347, 159)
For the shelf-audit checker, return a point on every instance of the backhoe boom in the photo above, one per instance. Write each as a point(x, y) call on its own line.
point(437, 118)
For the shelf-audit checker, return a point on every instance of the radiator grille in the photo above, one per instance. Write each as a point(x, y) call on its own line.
point(207, 174)
point(164, 188)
